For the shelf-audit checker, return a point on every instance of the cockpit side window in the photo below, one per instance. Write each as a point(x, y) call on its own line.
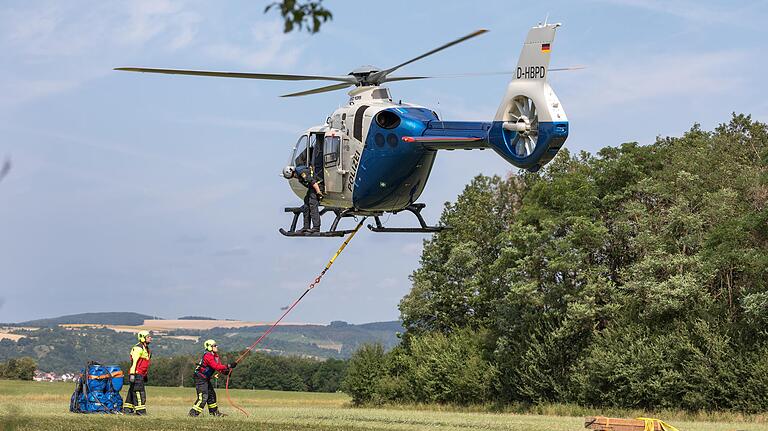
point(331, 151)
point(300, 156)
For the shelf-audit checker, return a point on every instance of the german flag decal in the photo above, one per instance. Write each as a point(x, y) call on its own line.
point(545, 47)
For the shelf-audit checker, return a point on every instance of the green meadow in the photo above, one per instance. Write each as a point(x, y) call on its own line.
point(44, 406)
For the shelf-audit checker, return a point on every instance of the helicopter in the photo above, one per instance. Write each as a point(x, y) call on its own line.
point(374, 155)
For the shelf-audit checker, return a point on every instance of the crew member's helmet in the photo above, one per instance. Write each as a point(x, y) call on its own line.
point(288, 172)
point(209, 345)
point(142, 336)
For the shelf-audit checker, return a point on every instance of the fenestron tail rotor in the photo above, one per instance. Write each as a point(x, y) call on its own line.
point(524, 121)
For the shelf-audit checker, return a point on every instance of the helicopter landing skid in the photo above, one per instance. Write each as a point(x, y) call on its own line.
point(416, 210)
point(333, 232)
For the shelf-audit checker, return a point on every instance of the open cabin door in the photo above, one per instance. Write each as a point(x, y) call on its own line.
point(332, 164)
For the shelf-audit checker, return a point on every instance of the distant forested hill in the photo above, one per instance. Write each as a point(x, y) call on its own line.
point(107, 318)
point(62, 349)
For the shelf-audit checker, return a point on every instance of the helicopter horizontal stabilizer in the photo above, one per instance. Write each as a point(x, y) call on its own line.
point(448, 142)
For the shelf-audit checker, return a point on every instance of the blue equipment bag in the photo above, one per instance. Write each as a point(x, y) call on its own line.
point(97, 390)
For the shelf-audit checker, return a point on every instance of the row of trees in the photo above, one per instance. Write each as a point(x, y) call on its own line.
point(257, 371)
point(635, 278)
point(18, 369)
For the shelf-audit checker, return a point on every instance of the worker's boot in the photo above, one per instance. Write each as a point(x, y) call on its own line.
point(127, 411)
point(193, 413)
point(216, 413)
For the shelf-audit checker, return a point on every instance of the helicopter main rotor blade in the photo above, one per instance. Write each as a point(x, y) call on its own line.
point(271, 76)
point(319, 90)
point(509, 72)
point(379, 76)
point(403, 78)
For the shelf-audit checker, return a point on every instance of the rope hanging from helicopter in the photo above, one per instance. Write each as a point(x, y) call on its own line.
point(288, 310)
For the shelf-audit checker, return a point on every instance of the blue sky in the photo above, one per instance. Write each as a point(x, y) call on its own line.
point(162, 194)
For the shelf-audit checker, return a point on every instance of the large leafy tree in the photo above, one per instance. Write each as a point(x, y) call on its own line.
point(641, 272)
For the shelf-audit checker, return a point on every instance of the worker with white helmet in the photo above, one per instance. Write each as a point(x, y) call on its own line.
point(206, 369)
point(136, 399)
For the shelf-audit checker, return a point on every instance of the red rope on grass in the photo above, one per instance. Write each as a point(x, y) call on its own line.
point(296, 302)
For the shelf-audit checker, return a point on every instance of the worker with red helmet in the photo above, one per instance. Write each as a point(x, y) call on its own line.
point(206, 369)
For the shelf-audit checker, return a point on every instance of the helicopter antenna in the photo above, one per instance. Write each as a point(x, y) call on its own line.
point(440, 113)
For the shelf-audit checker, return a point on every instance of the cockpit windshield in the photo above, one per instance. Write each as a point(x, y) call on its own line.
point(300, 152)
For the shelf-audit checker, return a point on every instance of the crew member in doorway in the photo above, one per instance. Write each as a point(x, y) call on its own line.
point(206, 369)
point(311, 207)
point(136, 399)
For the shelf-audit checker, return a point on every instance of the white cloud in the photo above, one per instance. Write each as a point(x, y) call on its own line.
point(173, 200)
point(693, 11)
point(52, 47)
point(233, 252)
point(618, 81)
point(257, 125)
point(19, 90)
point(231, 284)
point(151, 19)
point(269, 46)
point(55, 30)
point(411, 249)
point(454, 108)
point(389, 283)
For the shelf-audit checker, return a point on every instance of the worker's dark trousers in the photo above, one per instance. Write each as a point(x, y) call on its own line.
point(311, 209)
point(205, 395)
point(136, 398)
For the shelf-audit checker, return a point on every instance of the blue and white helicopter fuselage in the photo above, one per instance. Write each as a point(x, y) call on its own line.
point(374, 155)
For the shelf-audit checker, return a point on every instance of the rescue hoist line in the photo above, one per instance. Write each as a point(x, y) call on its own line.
point(296, 302)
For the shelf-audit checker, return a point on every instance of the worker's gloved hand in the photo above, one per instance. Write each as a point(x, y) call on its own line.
point(132, 378)
point(232, 365)
point(146, 379)
point(320, 196)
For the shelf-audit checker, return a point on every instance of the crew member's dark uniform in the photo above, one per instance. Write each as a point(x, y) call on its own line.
point(209, 365)
point(311, 207)
point(136, 398)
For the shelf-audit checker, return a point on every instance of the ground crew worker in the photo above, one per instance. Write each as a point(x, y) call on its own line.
point(311, 207)
point(205, 370)
point(136, 399)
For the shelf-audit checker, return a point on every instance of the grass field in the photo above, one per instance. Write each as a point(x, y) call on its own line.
point(44, 406)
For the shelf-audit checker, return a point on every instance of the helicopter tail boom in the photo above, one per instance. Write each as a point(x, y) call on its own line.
point(453, 135)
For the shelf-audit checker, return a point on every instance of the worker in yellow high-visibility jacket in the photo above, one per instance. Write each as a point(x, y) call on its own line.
point(136, 399)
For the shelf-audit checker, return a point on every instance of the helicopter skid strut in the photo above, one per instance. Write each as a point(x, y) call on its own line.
point(341, 213)
point(416, 210)
point(333, 232)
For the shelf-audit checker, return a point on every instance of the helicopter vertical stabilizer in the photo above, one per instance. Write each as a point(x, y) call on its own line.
point(530, 125)
point(534, 58)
